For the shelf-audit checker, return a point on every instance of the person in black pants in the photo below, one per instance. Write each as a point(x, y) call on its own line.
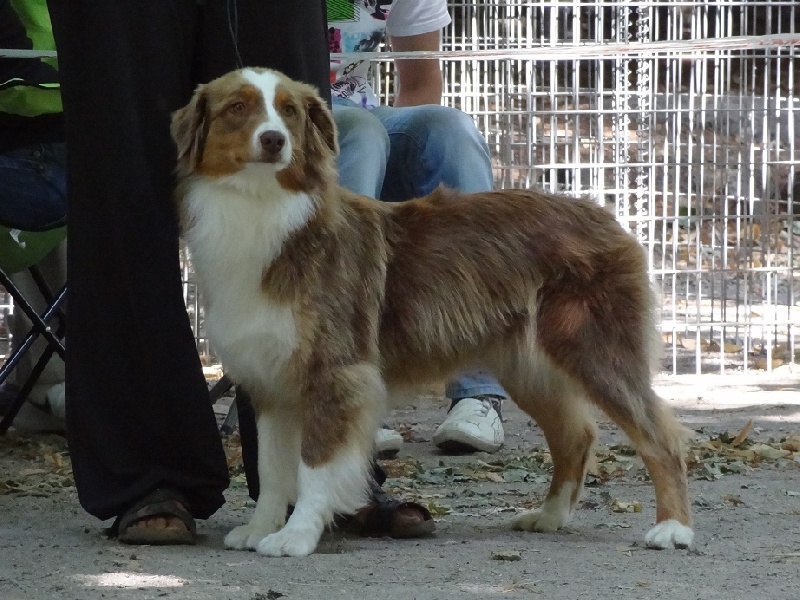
point(141, 431)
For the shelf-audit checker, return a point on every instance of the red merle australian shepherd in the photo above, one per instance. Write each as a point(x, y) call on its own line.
point(320, 302)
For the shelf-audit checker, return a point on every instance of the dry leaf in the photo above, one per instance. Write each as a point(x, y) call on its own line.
point(742, 435)
point(510, 555)
point(27, 472)
point(438, 509)
point(55, 460)
point(734, 499)
point(792, 443)
point(769, 452)
point(619, 506)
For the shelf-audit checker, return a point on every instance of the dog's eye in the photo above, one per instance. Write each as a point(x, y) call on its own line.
point(236, 108)
point(289, 110)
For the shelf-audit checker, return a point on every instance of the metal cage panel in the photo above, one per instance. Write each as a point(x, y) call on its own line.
point(682, 117)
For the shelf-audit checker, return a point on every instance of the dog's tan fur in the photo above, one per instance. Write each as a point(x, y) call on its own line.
point(546, 292)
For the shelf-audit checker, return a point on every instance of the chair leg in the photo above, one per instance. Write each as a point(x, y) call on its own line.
point(216, 392)
point(47, 294)
point(231, 420)
point(219, 388)
point(39, 327)
point(39, 323)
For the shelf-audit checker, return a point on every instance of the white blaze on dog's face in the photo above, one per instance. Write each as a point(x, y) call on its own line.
point(271, 140)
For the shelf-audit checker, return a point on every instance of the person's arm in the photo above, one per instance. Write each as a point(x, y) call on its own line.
point(419, 80)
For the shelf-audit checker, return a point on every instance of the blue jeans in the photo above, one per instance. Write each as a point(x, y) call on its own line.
point(33, 195)
point(395, 154)
point(33, 186)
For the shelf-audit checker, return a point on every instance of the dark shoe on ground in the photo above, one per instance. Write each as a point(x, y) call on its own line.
point(161, 504)
point(387, 516)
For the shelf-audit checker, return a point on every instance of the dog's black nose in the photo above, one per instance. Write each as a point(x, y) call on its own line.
point(272, 141)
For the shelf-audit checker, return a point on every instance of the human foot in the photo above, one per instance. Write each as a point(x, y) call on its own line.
point(161, 518)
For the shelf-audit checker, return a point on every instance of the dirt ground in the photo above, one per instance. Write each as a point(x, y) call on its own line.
point(745, 490)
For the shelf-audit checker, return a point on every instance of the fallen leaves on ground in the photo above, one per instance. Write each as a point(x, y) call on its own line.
point(726, 453)
point(40, 465)
point(448, 488)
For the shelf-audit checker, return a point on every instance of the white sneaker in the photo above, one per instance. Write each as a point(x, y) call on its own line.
point(472, 424)
point(387, 442)
point(54, 400)
point(44, 416)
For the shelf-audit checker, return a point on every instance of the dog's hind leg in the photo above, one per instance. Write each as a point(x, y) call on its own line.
point(660, 441)
point(278, 460)
point(663, 455)
point(569, 429)
point(601, 335)
point(339, 424)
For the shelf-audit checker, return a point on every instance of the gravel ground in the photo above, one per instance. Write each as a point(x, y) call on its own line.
point(746, 496)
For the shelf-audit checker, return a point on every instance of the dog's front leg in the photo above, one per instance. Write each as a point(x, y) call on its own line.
point(332, 478)
point(278, 459)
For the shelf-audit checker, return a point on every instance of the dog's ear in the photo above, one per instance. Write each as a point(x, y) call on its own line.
point(320, 129)
point(189, 128)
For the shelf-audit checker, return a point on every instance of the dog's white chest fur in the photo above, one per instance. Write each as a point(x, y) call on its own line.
point(234, 236)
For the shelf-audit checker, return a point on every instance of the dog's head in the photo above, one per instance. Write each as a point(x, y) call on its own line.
point(257, 119)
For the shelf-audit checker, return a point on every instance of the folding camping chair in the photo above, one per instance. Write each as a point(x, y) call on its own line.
point(21, 250)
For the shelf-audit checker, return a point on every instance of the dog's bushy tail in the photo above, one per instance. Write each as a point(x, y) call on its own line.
point(596, 323)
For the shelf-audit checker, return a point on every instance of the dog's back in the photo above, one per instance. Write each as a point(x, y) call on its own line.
point(491, 265)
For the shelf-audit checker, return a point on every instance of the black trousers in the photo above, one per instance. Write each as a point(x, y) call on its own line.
point(138, 414)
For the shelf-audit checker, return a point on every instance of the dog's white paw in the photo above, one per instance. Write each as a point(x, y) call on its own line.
point(292, 543)
point(246, 537)
point(669, 534)
point(541, 520)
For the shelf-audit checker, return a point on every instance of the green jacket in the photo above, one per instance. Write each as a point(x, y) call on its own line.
point(28, 87)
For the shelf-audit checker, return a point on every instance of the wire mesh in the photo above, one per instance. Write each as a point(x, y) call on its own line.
point(682, 117)
point(692, 143)
point(695, 148)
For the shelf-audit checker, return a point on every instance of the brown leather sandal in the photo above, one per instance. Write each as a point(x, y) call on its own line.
point(387, 516)
point(161, 502)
